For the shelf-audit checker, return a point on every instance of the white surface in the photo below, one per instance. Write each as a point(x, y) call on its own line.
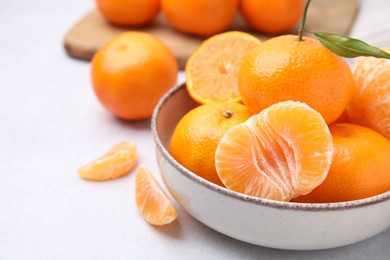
point(373, 22)
point(51, 124)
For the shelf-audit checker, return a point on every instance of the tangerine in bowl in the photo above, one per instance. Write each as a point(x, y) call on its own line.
point(264, 222)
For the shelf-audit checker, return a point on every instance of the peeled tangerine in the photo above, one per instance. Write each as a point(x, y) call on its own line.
point(281, 153)
point(117, 162)
point(370, 103)
point(152, 202)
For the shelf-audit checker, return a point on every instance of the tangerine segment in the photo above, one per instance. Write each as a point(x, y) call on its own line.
point(281, 153)
point(200, 17)
point(117, 162)
point(129, 12)
point(131, 72)
point(212, 70)
point(151, 200)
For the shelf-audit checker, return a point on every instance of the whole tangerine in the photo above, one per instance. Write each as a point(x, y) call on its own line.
point(274, 16)
point(129, 12)
point(212, 75)
point(281, 153)
point(198, 133)
point(360, 166)
point(131, 72)
point(200, 17)
point(284, 68)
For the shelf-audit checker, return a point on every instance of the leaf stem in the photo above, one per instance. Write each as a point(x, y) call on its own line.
point(302, 28)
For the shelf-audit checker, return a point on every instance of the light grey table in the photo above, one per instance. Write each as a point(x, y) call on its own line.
point(51, 123)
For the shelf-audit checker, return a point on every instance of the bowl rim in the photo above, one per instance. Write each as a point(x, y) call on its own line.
point(243, 197)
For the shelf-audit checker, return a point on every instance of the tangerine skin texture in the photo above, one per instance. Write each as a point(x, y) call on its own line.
point(131, 72)
point(274, 16)
point(360, 166)
point(200, 17)
point(198, 133)
point(283, 68)
point(129, 12)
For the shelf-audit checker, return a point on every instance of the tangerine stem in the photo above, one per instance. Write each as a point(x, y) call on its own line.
point(227, 114)
point(302, 28)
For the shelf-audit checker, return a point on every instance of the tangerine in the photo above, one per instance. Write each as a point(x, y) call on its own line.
point(198, 133)
point(200, 17)
point(283, 152)
point(360, 167)
point(152, 202)
point(117, 162)
point(284, 68)
point(129, 12)
point(131, 72)
point(370, 103)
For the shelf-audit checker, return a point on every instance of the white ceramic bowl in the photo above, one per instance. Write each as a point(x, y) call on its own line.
point(269, 223)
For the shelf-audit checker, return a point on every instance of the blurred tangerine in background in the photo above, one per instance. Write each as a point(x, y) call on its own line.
point(129, 12)
point(200, 17)
point(151, 200)
point(272, 17)
point(131, 72)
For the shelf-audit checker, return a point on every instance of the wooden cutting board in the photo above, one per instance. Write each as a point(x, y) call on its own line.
point(92, 31)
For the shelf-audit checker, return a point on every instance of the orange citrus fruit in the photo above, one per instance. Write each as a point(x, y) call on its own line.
point(117, 162)
point(212, 70)
point(152, 202)
point(370, 104)
point(200, 17)
point(131, 72)
point(129, 12)
point(360, 166)
point(198, 133)
point(284, 68)
point(274, 16)
point(281, 153)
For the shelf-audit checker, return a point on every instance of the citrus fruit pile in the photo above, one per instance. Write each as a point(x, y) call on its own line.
point(268, 120)
point(285, 119)
point(205, 17)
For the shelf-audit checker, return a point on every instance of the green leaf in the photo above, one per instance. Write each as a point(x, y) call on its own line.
point(349, 47)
